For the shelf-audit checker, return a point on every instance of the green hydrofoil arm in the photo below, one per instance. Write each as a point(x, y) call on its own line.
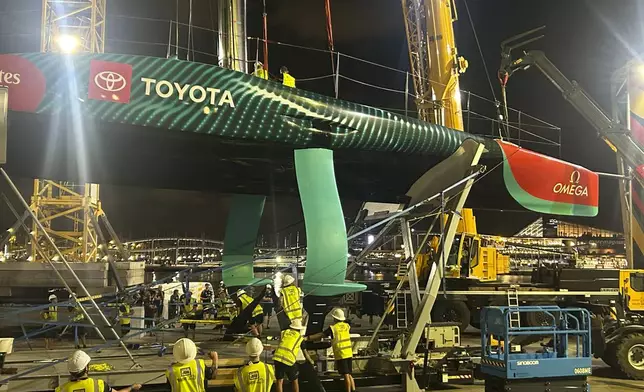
point(326, 234)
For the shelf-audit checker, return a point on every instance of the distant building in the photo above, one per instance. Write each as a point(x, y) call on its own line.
point(552, 239)
point(554, 228)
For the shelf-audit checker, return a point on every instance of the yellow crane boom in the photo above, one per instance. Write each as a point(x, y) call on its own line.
point(434, 61)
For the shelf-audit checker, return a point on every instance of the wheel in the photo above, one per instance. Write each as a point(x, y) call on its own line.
point(451, 311)
point(475, 317)
point(610, 356)
point(538, 319)
point(630, 356)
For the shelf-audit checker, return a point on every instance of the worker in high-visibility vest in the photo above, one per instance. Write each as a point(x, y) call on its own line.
point(80, 331)
point(189, 311)
point(260, 72)
point(78, 367)
point(50, 315)
point(285, 356)
point(125, 314)
point(287, 79)
point(290, 299)
point(257, 320)
point(256, 376)
point(340, 335)
point(188, 374)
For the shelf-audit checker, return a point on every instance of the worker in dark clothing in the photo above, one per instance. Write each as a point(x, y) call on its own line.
point(267, 305)
point(159, 297)
point(206, 301)
point(173, 306)
point(149, 312)
point(189, 312)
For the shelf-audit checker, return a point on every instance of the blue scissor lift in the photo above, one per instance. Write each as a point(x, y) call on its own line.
point(562, 364)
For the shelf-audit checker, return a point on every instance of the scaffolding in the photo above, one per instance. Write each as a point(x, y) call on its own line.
point(83, 20)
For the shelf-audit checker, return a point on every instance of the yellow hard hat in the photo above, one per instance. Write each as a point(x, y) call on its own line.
point(254, 347)
point(78, 361)
point(338, 314)
point(184, 350)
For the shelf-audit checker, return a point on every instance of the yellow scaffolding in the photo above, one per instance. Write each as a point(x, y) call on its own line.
point(82, 19)
point(69, 213)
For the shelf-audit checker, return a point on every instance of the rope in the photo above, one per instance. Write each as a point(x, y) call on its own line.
point(373, 85)
point(515, 127)
point(314, 78)
point(478, 44)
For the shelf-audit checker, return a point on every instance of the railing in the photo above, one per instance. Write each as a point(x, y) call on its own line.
point(345, 77)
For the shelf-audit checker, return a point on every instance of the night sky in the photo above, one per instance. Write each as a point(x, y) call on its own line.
point(586, 39)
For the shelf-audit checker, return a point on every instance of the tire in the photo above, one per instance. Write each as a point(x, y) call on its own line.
point(610, 356)
point(452, 311)
point(475, 316)
point(630, 356)
point(537, 319)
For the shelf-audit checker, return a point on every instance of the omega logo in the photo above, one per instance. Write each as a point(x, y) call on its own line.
point(572, 188)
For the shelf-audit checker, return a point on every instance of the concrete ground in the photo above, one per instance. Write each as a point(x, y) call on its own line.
point(604, 379)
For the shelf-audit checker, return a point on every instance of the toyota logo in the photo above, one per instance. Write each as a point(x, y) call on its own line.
point(110, 81)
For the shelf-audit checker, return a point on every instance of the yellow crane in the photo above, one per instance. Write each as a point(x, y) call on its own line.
point(435, 68)
point(434, 61)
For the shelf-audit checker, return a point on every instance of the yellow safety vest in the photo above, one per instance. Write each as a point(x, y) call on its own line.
point(124, 315)
point(78, 315)
point(85, 385)
point(51, 314)
point(288, 348)
point(291, 302)
point(188, 377)
point(246, 300)
point(261, 73)
point(341, 341)
point(254, 377)
point(288, 80)
point(190, 307)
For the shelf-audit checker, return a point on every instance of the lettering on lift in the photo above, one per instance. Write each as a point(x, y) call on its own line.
point(585, 370)
point(527, 363)
point(9, 78)
point(195, 93)
point(572, 188)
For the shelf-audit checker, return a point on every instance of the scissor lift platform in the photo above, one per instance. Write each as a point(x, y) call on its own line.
point(557, 365)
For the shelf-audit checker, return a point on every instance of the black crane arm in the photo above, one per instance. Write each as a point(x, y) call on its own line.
point(617, 136)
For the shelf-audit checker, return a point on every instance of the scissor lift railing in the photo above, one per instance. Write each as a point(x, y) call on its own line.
point(501, 359)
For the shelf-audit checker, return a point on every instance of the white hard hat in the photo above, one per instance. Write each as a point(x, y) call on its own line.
point(240, 292)
point(338, 314)
point(297, 324)
point(254, 347)
point(288, 280)
point(78, 362)
point(52, 297)
point(184, 350)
